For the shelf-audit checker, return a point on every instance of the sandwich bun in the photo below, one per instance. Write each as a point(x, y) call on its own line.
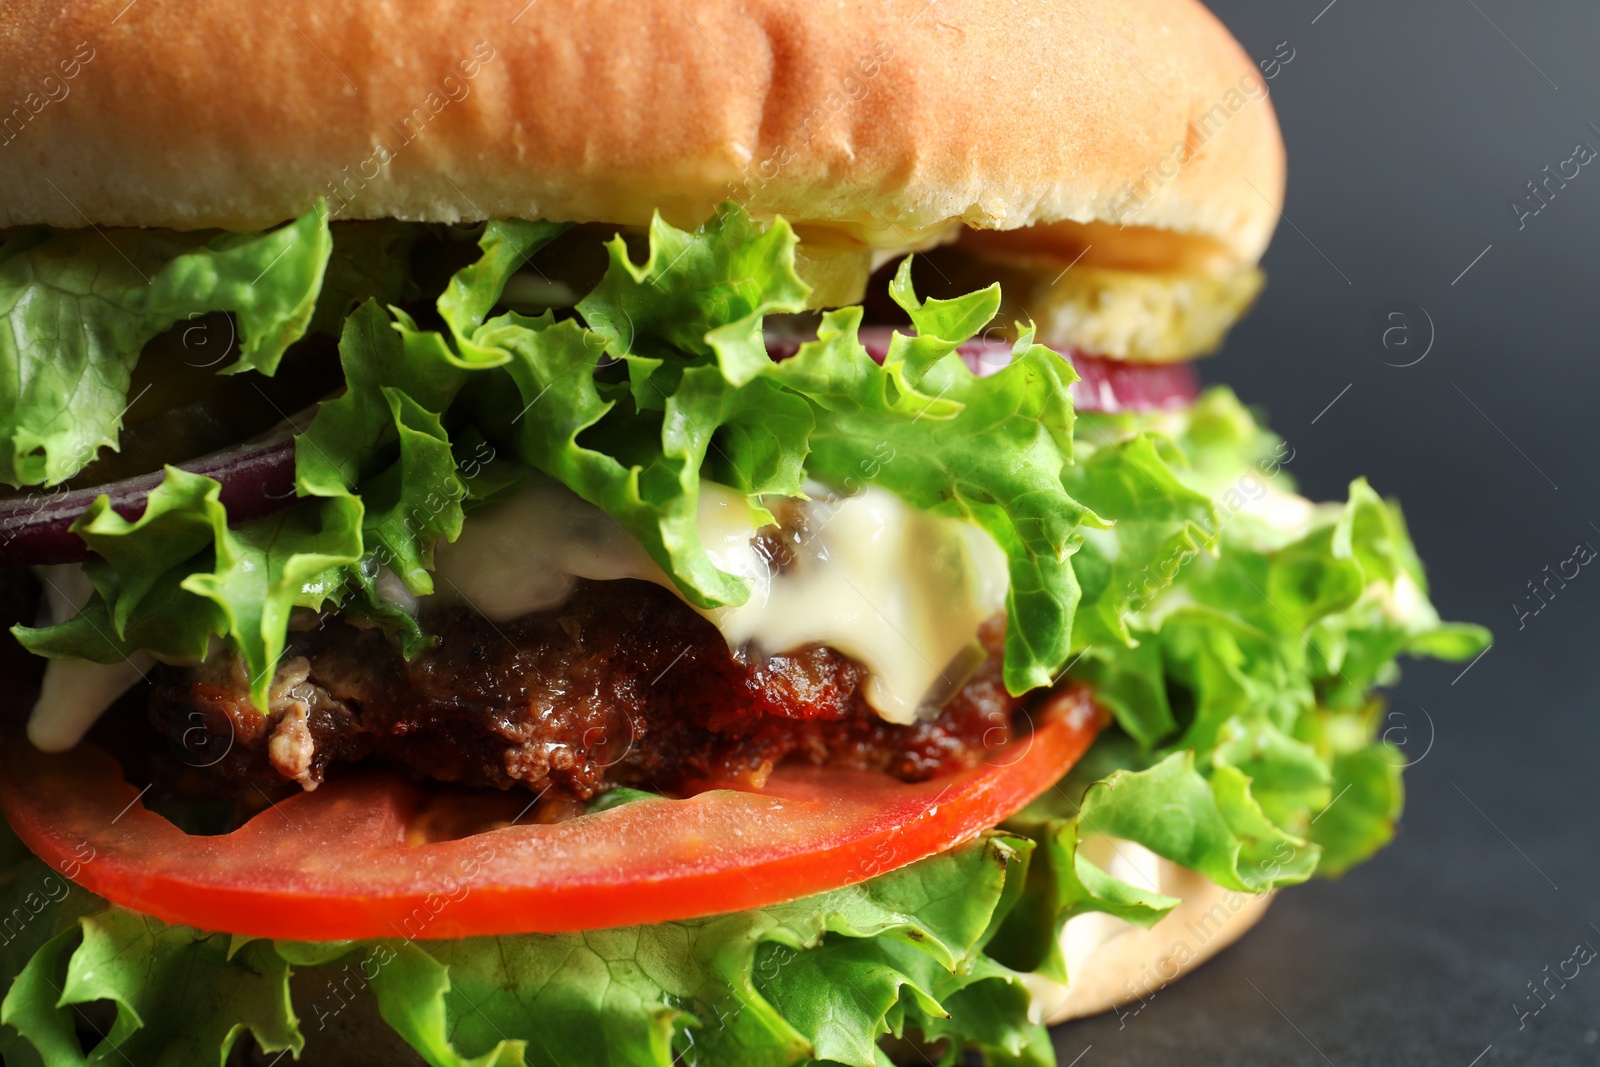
point(1116, 965)
point(891, 121)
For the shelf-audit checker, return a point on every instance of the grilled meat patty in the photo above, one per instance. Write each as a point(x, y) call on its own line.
point(623, 685)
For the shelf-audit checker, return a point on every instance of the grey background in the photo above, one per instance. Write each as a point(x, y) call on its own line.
point(1410, 126)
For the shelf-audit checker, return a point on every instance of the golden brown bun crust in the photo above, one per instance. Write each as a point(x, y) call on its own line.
point(886, 118)
point(1134, 964)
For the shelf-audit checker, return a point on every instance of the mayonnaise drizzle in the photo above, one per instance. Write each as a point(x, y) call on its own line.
point(75, 692)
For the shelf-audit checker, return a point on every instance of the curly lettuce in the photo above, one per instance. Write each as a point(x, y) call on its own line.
point(169, 580)
point(1235, 633)
point(657, 379)
point(823, 978)
point(77, 307)
point(1235, 753)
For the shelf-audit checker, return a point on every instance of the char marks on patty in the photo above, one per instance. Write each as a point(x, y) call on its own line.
point(623, 685)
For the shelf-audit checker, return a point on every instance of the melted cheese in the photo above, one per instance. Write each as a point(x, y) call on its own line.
point(526, 553)
point(901, 592)
point(392, 591)
point(897, 590)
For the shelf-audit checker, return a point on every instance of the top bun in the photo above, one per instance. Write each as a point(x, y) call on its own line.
point(888, 120)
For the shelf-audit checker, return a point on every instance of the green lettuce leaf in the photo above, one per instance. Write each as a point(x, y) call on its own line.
point(1361, 819)
point(77, 306)
point(1245, 741)
point(180, 997)
point(371, 260)
point(1160, 522)
point(176, 575)
point(1229, 840)
point(822, 978)
point(1286, 617)
point(982, 1010)
point(990, 451)
point(385, 437)
point(643, 467)
point(699, 294)
point(684, 328)
point(474, 290)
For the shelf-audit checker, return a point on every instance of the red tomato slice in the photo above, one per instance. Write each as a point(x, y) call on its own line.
point(344, 862)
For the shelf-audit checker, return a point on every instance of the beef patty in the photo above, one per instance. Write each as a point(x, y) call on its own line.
point(623, 685)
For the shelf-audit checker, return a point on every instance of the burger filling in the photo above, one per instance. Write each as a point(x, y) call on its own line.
point(563, 659)
point(622, 685)
point(528, 517)
point(551, 512)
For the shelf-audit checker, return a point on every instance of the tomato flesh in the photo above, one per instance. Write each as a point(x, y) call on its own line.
point(344, 862)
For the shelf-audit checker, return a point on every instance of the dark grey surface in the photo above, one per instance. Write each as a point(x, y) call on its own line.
point(1410, 127)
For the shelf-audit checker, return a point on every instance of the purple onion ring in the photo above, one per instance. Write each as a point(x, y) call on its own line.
point(258, 479)
point(1103, 385)
point(35, 528)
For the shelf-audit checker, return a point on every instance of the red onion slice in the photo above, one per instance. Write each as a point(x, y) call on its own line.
point(257, 480)
point(1104, 385)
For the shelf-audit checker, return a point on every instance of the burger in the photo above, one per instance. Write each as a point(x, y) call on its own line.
point(646, 532)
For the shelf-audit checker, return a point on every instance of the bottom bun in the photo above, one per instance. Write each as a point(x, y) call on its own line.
point(1113, 963)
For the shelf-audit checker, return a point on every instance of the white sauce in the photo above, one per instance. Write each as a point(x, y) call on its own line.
point(75, 692)
point(1284, 512)
point(1083, 935)
point(66, 590)
point(392, 591)
point(1403, 601)
point(526, 553)
point(901, 592)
